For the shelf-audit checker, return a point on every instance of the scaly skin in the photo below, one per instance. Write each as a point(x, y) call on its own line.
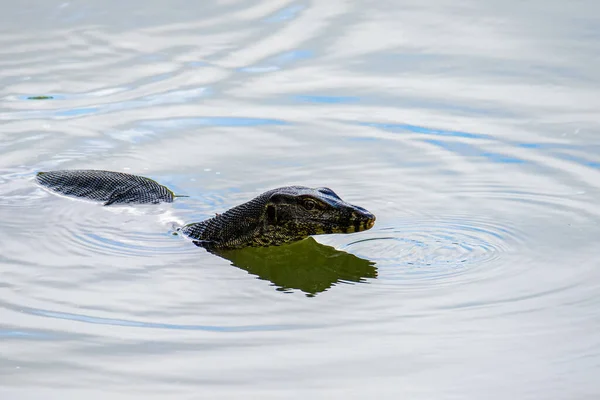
point(279, 216)
point(106, 186)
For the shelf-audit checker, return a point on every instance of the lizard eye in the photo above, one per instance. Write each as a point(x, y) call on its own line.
point(309, 204)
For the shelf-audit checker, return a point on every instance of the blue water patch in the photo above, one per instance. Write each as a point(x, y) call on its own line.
point(545, 145)
point(463, 149)
point(421, 129)
point(577, 159)
point(156, 325)
point(212, 121)
point(469, 150)
point(13, 334)
point(292, 55)
point(532, 145)
point(502, 158)
point(161, 77)
point(277, 62)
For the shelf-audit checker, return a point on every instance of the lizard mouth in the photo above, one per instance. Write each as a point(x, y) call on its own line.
point(370, 223)
point(362, 220)
point(365, 223)
point(357, 223)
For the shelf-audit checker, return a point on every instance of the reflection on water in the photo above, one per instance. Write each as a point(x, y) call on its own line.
point(305, 265)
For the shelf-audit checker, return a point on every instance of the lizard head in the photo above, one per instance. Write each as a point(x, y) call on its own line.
point(295, 212)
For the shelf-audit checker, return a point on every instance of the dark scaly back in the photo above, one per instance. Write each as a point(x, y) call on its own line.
point(233, 228)
point(105, 186)
point(279, 216)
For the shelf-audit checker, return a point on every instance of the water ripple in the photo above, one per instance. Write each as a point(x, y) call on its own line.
point(141, 231)
point(470, 130)
point(436, 251)
point(155, 325)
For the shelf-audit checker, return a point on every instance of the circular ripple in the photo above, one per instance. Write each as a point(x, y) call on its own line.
point(124, 231)
point(437, 250)
point(122, 243)
point(85, 228)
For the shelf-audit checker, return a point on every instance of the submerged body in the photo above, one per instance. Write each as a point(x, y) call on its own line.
point(106, 186)
point(278, 216)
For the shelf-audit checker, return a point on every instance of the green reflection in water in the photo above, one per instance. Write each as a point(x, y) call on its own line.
point(306, 265)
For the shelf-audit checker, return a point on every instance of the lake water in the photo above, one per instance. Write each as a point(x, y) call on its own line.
point(470, 129)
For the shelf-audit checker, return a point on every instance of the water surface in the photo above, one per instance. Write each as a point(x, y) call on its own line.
point(469, 129)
